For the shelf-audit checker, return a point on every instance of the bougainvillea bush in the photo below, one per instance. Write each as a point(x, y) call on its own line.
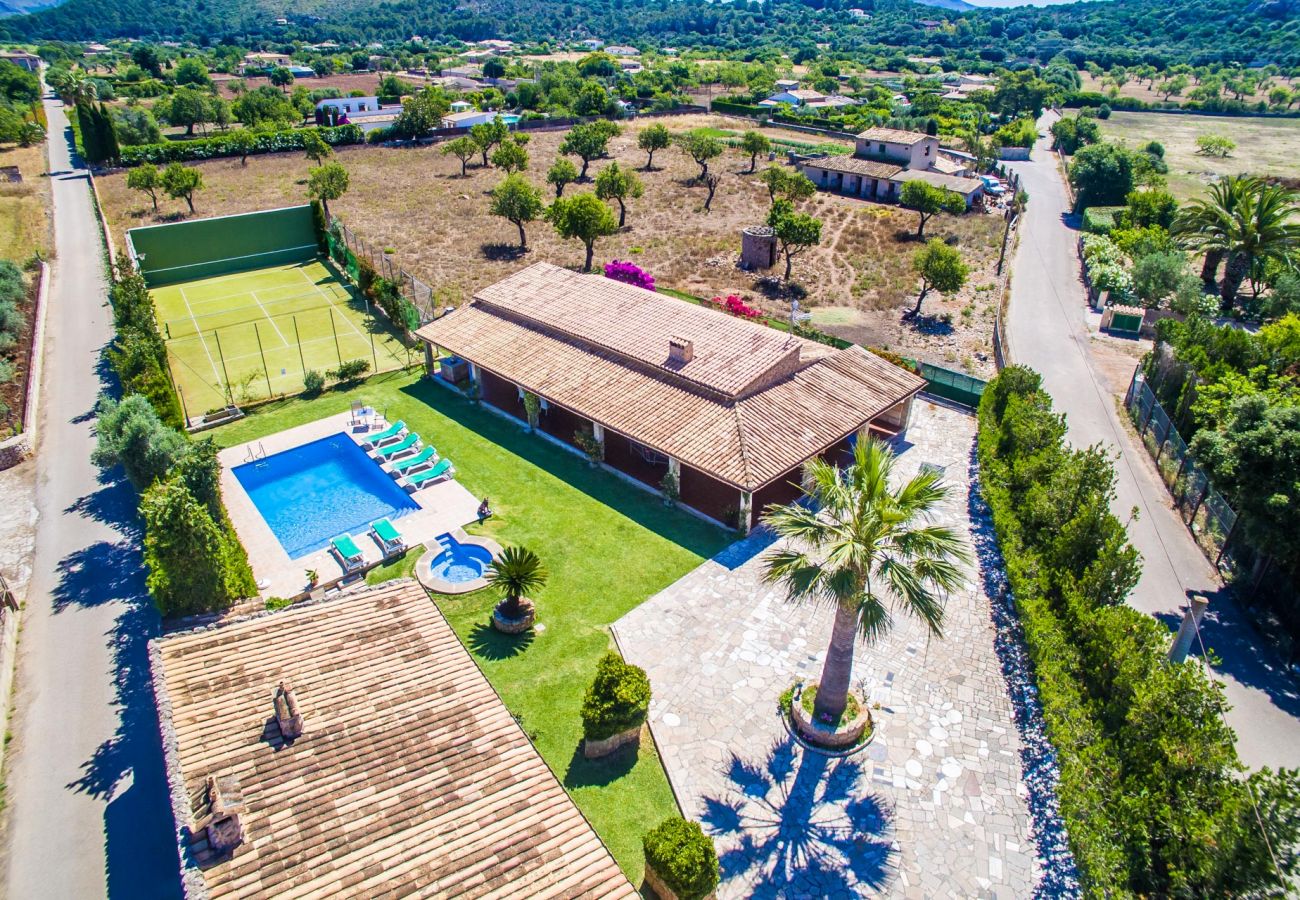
point(629, 273)
point(737, 307)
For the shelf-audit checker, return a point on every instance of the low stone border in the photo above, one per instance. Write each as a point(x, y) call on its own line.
point(796, 720)
point(17, 448)
point(423, 567)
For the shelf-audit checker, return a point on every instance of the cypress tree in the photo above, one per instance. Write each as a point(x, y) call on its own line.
point(90, 146)
point(107, 135)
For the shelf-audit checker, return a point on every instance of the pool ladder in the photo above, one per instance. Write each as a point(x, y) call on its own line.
point(257, 456)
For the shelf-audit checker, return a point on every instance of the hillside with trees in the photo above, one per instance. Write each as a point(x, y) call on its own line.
point(1119, 32)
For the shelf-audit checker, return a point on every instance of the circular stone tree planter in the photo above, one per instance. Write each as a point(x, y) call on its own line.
point(847, 735)
point(612, 744)
point(515, 626)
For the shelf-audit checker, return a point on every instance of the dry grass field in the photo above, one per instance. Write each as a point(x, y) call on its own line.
point(24, 216)
point(1265, 146)
point(1145, 92)
point(415, 202)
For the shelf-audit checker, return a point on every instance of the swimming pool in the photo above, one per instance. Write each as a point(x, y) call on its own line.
point(459, 563)
point(314, 492)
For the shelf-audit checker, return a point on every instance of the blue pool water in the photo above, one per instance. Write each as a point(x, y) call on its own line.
point(317, 491)
point(458, 563)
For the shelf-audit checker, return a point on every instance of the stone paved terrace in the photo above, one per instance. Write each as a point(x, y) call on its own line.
point(935, 806)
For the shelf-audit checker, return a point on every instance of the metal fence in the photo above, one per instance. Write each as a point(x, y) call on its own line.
point(412, 288)
point(1208, 516)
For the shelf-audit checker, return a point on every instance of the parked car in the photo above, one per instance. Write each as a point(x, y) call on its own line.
point(992, 185)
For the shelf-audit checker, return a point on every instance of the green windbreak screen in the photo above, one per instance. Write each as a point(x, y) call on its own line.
point(204, 248)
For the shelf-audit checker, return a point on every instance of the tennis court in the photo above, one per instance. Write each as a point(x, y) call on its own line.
point(253, 334)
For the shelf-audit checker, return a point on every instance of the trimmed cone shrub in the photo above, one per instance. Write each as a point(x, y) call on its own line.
point(683, 856)
point(617, 700)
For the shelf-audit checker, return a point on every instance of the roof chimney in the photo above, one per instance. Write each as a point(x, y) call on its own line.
point(286, 712)
point(225, 801)
point(680, 350)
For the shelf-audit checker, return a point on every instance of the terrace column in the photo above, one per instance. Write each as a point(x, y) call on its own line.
point(474, 374)
point(745, 519)
point(675, 468)
point(429, 359)
point(598, 431)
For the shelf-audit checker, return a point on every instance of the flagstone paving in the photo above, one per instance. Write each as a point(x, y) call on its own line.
point(935, 806)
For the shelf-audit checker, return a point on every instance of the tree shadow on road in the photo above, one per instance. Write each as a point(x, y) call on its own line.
point(798, 823)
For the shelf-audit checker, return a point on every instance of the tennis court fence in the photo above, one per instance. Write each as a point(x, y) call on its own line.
point(346, 248)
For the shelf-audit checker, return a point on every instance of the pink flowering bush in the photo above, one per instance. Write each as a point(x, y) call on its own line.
point(737, 307)
point(629, 273)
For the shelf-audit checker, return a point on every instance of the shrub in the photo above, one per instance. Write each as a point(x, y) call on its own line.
point(617, 700)
point(227, 144)
point(683, 856)
point(349, 370)
point(629, 273)
point(130, 433)
point(313, 382)
point(1100, 219)
point(737, 307)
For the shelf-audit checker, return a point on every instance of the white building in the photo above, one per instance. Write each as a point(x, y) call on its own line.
point(885, 160)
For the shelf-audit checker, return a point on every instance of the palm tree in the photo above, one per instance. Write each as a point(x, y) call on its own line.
point(869, 550)
point(515, 573)
point(1246, 221)
point(73, 87)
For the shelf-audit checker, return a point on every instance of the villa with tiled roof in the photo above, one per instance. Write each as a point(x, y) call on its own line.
point(887, 158)
point(731, 407)
point(352, 748)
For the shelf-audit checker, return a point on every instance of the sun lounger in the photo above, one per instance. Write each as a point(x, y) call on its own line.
point(425, 458)
point(444, 469)
point(391, 433)
point(387, 537)
point(348, 553)
point(408, 444)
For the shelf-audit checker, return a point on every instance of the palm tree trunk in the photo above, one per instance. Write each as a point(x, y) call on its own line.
point(837, 671)
point(1233, 274)
point(510, 608)
point(1210, 270)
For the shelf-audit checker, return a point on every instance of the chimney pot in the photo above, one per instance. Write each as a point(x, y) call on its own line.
point(680, 350)
point(225, 803)
point(286, 712)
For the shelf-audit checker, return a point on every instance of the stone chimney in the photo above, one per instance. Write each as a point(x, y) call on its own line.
point(286, 711)
point(680, 350)
point(225, 801)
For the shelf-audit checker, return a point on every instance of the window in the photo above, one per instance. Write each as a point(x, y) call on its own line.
point(882, 148)
point(927, 149)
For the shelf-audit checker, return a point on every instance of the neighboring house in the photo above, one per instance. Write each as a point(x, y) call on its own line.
point(592, 43)
point(254, 61)
point(901, 102)
point(794, 97)
point(463, 72)
point(833, 101)
point(630, 66)
point(301, 71)
point(353, 110)
point(461, 106)
point(97, 50)
point(456, 83)
point(732, 408)
point(499, 45)
point(352, 747)
point(478, 56)
point(930, 24)
point(28, 61)
point(471, 117)
point(885, 160)
point(787, 84)
point(620, 50)
point(859, 13)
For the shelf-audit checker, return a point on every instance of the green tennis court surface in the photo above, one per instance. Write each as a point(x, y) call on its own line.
point(228, 336)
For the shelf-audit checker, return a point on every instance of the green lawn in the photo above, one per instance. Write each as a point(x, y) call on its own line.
point(607, 546)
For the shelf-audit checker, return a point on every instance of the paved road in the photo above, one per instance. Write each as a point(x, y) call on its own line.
point(87, 812)
point(1049, 332)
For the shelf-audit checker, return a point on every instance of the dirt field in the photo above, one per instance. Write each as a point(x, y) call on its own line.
point(345, 82)
point(1264, 146)
point(858, 281)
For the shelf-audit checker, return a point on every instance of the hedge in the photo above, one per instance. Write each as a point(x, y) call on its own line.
point(740, 109)
point(617, 700)
point(1154, 798)
point(222, 145)
point(1100, 219)
point(683, 856)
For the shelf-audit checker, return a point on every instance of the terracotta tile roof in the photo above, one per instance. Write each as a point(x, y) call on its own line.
point(814, 397)
point(729, 353)
point(892, 136)
point(410, 776)
point(855, 165)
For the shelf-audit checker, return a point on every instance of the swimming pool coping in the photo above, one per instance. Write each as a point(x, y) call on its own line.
point(424, 565)
point(444, 507)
